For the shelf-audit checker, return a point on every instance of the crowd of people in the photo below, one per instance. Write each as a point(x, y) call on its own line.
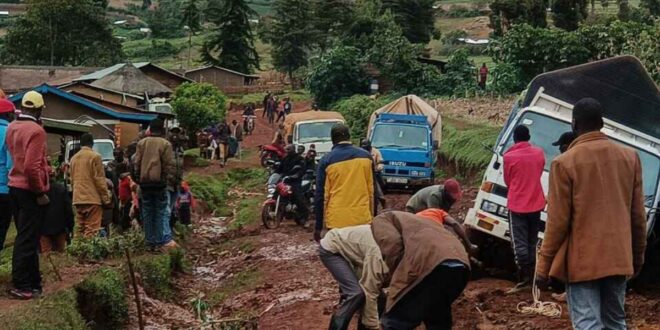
point(594, 240)
point(141, 188)
point(273, 106)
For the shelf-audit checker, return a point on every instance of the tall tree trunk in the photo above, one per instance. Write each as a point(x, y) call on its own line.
point(190, 33)
point(293, 83)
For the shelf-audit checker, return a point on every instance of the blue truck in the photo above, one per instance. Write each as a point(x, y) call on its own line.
point(408, 147)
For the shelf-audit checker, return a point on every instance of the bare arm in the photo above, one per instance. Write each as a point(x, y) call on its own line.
point(460, 231)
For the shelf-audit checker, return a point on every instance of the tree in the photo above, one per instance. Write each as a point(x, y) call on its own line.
point(164, 21)
point(231, 44)
point(337, 74)
point(290, 35)
point(62, 32)
point(652, 5)
point(192, 21)
point(505, 13)
point(416, 18)
point(198, 105)
point(624, 10)
point(567, 14)
point(146, 4)
point(330, 20)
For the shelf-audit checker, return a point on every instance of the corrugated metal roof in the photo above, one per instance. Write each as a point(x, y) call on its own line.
point(224, 69)
point(104, 72)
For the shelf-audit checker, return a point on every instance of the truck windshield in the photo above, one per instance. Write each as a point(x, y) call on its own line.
point(400, 136)
point(105, 149)
point(546, 130)
point(315, 132)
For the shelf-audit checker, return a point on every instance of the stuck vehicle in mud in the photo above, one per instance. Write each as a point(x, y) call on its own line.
point(631, 106)
point(312, 127)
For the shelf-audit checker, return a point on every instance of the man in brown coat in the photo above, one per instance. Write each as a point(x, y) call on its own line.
point(429, 269)
point(90, 190)
point(596, 229)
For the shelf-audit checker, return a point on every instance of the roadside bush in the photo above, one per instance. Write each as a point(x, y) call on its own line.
point(54, 312)
point(198, 105)
point(506, 79)
point(357, 110)
point(102, 299)
point(97, 248)
point(156, 272)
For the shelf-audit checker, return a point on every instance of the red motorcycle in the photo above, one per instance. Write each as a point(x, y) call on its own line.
point(279, 204)
point(270, 154)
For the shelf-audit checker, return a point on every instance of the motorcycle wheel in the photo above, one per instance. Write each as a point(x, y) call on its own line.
point(269, 218)
point(265, 156)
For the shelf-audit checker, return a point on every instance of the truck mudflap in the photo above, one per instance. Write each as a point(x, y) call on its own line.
point(488, 224)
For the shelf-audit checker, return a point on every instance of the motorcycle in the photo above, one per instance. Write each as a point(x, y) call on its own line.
point(279, 204)
point(270, 153)
point(248, 124)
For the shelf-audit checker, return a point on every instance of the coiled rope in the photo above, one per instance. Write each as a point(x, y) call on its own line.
point(545, 308)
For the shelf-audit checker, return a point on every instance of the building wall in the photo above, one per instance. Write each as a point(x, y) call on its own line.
point(104, 95)
point(219, 78)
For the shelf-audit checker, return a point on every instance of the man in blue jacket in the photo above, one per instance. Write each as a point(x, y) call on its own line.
point(6, 115)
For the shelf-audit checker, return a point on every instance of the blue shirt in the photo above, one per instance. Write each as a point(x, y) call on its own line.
point(5, 158)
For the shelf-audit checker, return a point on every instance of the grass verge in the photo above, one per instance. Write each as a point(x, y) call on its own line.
point(156, 272)
point(53, 312)
point(463, 147)
point(243, 281)
point(102, 299)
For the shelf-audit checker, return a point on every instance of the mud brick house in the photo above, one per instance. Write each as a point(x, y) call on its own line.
point(228, 81)
point(165, 77)
point(108, 95)
point(105, 122)
point(15, 78)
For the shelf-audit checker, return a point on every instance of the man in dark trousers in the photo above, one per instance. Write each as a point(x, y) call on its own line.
point(293, 166)
point(428, 269)
point(28, 186)
point(523, 167)
point(6, 116)
point(595, 235)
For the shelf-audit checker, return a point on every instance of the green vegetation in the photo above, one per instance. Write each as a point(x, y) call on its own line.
point(415, 17)
point(464, 146)
point(102, 299)
point(54, 312)
point(61, 32)
point(213, 190)
point(98, 248)
point(357, 110)
point(198, 105)
point(337, 74)
point(243, 281)
point(156, 272)
point(290, 36)
point(248, 213)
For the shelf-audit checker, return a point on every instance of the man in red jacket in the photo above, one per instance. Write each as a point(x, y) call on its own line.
point(28, 187)
point(523, 167)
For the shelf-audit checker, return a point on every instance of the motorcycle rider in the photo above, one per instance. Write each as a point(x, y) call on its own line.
point(310, 157)
point(247, 113)
point(293, 166)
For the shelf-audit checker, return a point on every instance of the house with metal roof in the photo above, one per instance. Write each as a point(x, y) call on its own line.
point(166, 77)
point(104, 121)
point(223, 78)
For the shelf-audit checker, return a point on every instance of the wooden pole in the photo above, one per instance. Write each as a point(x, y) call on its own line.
point(57, 272)
point(138, 303)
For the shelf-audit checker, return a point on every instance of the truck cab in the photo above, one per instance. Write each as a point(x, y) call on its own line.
point(548, 113)
point(408, 149)
point(312, 127)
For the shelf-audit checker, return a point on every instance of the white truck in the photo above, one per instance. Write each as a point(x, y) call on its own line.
point(312, 127)
point(105, 147)
point(631, 102)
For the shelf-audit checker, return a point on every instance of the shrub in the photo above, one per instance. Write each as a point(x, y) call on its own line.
point(156, 272)
point(465, 147)
point(506, 79)
point(54, 312)
point(209, 189)
point(337, 74)
point(458, 11)
point(98, 248)
point(357, 111)
point(102, 299)
point(198, 105)
point(155, 49)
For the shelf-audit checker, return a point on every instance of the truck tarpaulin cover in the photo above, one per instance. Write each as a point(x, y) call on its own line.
point(293, 118)
point(413, 105)
point(621, 84)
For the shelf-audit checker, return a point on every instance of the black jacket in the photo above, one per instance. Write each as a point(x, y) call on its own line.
point(59, 216)
point(289, 162)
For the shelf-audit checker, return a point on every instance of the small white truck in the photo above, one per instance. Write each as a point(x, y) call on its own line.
point(631, 102)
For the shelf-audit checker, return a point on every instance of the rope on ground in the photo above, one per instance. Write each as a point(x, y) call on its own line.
point(545, 308)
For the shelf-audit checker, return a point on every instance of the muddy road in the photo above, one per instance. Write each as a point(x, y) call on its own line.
point(273, 279)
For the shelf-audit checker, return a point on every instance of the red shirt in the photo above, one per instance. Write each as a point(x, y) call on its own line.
point(26, 140)
point(523, 167)
point(483, 73)
point(125, 189)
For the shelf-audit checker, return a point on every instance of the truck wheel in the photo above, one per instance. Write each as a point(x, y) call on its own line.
point(495, 254)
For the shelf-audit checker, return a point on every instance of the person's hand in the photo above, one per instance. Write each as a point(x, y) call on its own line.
point(42, 200)
point(317, 236)
point(542, 282)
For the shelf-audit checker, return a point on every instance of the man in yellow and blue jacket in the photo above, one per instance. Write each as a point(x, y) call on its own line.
point(344, 185)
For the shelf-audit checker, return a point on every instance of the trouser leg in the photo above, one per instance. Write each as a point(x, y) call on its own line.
point(164, 231)
point(612, 299)
point(519, 227)
point(89, 218)
point(534, 223)
point(6, 213)
point(584, 305)
point(25, 260)
point(301, 203)
point(450, 283)
point(352, 296)
point(147, 214)
point(184, 213)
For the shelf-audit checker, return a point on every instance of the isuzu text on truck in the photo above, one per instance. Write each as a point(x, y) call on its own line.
point(631, 103)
